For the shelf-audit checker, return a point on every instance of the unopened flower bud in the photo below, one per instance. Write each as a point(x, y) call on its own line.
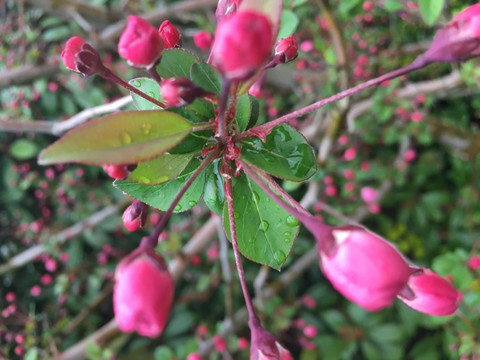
point(170, 35)
point(140, 43)
point(179, 91)
point(203, 40)
point(117, 171)
point(143, 293)
point(264, 345)
point(369, 194)
point(429, 293)
point(81, 57)
point(243, 44)
point(135, 215)
point(226, 8)
point(362, 266)
point(458, 41)
point(286, 49)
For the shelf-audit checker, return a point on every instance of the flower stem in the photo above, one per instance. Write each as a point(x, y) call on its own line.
point(308, 220)
point(151, 241)
point(152, 71)
point(233, 233)
point(416, 65)
point(107, 74)
point(222, 111)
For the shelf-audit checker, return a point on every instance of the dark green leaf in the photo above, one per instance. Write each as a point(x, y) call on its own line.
point(265, 231)
point(244, 112)
point(149, 87)
point(161, 169)
point(176, 63)
point(214, 194)
point(127, 137)
point(206, 77)
point(431, 10)
point(161, 196)
point(285, 154)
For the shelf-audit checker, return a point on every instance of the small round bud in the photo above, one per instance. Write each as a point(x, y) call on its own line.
point(203, 40)
point(116, 171)
point(135, 215)
point(170, 35)
point(179, 91)
point(81, 57)
point(286, 49)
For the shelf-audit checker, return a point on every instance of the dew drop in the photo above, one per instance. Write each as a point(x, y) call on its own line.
point(279, 256)
point(256, 197)
point(287, 240)
point(264, 225)
point(137, 83)
point(178, 207)
point(145, 180)
point(287, 233)
point(291, 220)
point(236, 215)
point(192, 203)
point(146, 128)
point(125, 138)
point(251, 240)
point(151, 93)
point(162, 179)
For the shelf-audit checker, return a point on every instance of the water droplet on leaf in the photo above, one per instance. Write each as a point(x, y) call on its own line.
point(178, 207)
point(251, 240)
point(291, 220)
point(279, 256)
point(192, 203)
point(125, 138)
point(264, 225)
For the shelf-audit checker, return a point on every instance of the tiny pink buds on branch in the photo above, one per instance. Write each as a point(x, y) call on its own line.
point(203, 40)
point(170, 35)
point(429, 293)
point(180, 91)
point(243, 43)
point(458, 41)
point(143, 293)
point(286, 50)
point(363, 267)
point(135, 215)
point(264, 345)
point(140, 43)
point(81, 57)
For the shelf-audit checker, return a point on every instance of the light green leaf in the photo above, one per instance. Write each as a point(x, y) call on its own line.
point(149, 87)
point(23, 149)
point(431, 10)
point(288, 24)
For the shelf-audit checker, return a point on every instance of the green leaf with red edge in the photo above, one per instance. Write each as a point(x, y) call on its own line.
point(285, 154)
point(265, 232)
point(149, 87)
point(161, 169)
point(127, 137)
point(161, 196)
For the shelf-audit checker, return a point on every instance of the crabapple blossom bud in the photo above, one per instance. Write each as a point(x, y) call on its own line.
point(81, 57)
point(264, 345)
point(286, 49)
point(116, 171)
point(226, 8)
point(179, 91)
point(143, 293)
point(458, 41)
point(194, 356)
point(170, 35)
point(368, 194)
point(140, 43)
point(135, 215)
point(203, 40)
point(362, 266)
point(474, 262)
point(243, 43)
point(429, 293)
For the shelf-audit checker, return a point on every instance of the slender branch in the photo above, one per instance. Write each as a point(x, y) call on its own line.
point(151, 241)
point(233, 235)
point(57, 128)
point(152, 71)
point(222, 111)
point(226, 271)
point(416, 65)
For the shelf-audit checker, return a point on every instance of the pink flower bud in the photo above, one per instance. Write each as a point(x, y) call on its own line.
point(143, 293)
point(458, 40)
point(362, 266)
point(226, 8)
point(135, 215)
point(369, 194)
point(264, 345)
point(170, 35)
point(140, 43)
point(429, 293)
point(243, 44)
point(203, 40)
point(116, 171)
point(80, 57)
point(474, 262)
point(194, 356)
point(179, 91)
point(286, 49)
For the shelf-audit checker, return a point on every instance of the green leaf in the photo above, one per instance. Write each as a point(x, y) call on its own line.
point(161, 169)
point(244, 112)
point(431, 10)
point(214, 193)
point(127, 137)
point(265, 231)
point(176, 63)
point(285, 154)
point(149, 87)
point(23, 149)
point(393, 5)
point(288, 24)
point(161, 196)
point(206, 77)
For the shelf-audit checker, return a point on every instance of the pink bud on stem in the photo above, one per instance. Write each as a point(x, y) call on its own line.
point(170, 35)
point(264, 345)
point(180, 91)
point(135, 215)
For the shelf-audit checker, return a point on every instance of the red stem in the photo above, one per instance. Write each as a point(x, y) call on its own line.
point(233, 234)
point(222, 111)
point(416, 65)
point(152, 240)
